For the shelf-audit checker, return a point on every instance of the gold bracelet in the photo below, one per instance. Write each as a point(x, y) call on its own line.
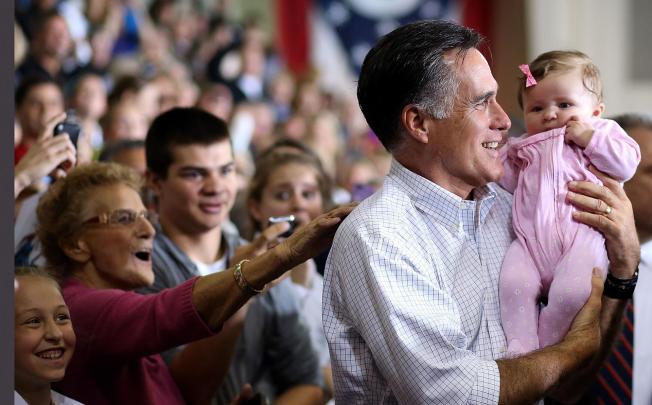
point(241, 281)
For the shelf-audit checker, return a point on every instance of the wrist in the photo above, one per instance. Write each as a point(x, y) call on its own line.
point(21, 181)
point(620, 288)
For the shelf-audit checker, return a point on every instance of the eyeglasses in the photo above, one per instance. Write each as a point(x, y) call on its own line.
point(122, 216)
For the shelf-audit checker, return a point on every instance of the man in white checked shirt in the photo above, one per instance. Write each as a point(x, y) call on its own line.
point(411, 308)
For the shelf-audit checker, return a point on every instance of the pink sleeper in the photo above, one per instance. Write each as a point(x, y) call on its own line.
point(553, 255)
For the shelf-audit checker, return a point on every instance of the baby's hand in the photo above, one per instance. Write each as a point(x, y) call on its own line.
point(578, 132)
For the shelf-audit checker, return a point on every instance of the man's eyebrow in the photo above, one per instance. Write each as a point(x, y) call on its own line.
point(190, 167)
point(484, 97)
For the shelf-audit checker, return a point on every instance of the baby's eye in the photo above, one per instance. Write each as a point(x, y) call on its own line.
point(536, 109)
point(565, 105)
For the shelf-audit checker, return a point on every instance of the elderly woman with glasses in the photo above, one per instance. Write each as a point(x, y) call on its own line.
point(97, 236)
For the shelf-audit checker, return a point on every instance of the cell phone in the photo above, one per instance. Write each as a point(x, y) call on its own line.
point(287, 218)
point(69, 126)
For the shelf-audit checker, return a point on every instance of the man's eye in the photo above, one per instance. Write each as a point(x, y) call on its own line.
point(192, 175)
point(228, 170)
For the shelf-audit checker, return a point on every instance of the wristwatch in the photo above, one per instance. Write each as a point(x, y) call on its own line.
point(620, 289)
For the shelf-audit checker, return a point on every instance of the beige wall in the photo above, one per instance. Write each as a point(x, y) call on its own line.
point(603, 29)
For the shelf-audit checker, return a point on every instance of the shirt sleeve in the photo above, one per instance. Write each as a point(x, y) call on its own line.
point(612, 151)
point(124, 325)
point(407, 321)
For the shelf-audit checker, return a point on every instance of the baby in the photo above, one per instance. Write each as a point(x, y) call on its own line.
point(43, 338)
point(546, 273)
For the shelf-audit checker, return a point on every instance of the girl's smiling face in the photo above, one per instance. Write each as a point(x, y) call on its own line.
point(44, 339)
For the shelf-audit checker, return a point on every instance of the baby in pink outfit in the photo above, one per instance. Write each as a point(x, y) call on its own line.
point(546, 273)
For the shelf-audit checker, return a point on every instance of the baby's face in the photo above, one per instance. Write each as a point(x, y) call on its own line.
point(557, 99)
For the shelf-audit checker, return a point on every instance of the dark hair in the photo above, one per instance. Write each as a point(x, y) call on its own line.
point(180, 126)
point(112, 149)
point(561, 62)
point(633, 120)
point(44, 18)
point(124, 85)
point(30, 82)
point(408, 66)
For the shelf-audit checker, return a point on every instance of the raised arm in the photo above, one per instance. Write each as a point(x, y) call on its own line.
point(612, 151)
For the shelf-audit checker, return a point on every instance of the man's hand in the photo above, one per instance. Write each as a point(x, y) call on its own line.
point(608, 209)
point(584, 332)
point(528, 378)
point(578, 132)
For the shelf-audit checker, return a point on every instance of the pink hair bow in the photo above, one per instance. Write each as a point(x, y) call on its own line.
point(529, 79)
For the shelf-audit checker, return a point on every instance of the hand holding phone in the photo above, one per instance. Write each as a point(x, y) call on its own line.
point(287, 218)
point(70, 126)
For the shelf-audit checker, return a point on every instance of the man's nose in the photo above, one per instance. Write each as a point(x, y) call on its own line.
point(501, 119)
point(212, 183)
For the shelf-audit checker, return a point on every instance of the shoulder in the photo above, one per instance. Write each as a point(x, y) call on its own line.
point(386, 211)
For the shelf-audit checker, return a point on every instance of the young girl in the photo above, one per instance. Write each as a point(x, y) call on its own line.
point(44, 339)
point(551, 261)
point(292, 182)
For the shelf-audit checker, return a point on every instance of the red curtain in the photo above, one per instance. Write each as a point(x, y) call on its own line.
point(293, 33)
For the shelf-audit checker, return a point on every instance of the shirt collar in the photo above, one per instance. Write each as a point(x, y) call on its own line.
point(439, 203)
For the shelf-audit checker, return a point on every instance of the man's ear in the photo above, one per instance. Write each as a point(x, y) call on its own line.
point(77, 251)
point(599, 109)
point(415, 121)
point(153, 182)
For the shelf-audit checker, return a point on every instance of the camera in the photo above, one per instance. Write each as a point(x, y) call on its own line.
point(69, 126)
point(287, 218)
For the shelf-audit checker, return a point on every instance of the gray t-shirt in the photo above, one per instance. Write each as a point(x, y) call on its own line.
point(274, 351)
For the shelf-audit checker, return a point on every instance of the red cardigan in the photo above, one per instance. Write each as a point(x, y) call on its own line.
point(119, 337)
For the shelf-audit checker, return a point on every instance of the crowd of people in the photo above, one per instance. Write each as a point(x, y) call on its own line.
point(178, 190)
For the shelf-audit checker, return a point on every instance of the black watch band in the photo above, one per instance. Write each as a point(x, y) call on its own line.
point(620, 289)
